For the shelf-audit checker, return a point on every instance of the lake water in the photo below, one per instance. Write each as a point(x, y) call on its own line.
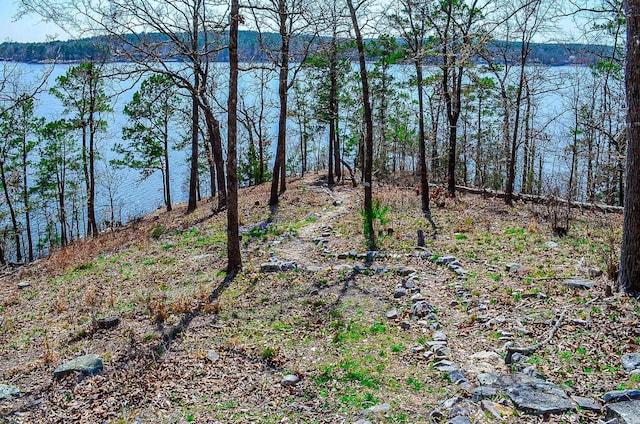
point(136, 197)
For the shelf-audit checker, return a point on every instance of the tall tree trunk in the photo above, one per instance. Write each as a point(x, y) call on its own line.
point(25, 198)
point(215, 138)
point(368, 136)
point(12, 213)
point(424, 177)
point(279, 183)
point(629, 276)
point(193, 177)
point(234, 258)
point(166, 174)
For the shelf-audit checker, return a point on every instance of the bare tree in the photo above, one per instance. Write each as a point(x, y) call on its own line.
point(171, 37)
point(290, 19)
point(354, 9)
point(410, 21)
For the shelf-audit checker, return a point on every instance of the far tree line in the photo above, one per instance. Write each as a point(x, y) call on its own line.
point(465, 111)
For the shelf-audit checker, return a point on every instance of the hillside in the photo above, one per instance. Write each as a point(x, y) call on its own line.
point(316, 330)
point(250, 50)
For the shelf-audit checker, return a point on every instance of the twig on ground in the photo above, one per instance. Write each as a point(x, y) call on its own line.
point(529, 350)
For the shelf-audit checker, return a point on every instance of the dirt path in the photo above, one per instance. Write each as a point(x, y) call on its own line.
point(301, 249)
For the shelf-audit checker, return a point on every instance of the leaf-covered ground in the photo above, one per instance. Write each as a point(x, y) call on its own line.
point(324, 321)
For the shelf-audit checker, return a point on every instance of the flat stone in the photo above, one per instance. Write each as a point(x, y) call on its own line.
point(343, 255)
point(540, 398)
point(377, 409)
point(405, 325)
point(621, 395)
point(447, 368)
point(418, 297)
point(212, 356)
point(108, 322)
point(362, 421)
point(625, 412)
point(529, 394)
point(513, 267)
point(290, 380)
point(631, 361)
point(398, 293)
point(7, 392)
point(88, 364)
point(392, 314)
point(588, 404)
point(417, 349)
point(436, 343)
point(579, 284)
point(439, 336)
point(445, 260)
point(270, 267)
point(408, 284)
point(23, 285)
point(457, 376)
point(551, 245)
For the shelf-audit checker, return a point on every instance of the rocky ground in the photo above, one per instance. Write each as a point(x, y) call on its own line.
point(496, 320)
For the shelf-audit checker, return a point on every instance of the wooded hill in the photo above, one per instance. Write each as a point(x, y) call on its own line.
point(552, 54)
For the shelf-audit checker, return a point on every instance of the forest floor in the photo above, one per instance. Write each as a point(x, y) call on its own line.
point(194, 345)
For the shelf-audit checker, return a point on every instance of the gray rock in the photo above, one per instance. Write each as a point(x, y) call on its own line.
point(551, 245)
point(445, 260)
point(484, 392)
point(408, 284)
point(377, 409)
point(529, 394)
point(392, 314)
point(362, 421)
point(442, 352)
point(108, 322)
point(290, 380)
point(405, 325)
point(579, 284)
point(540, 398)
point(439, 336)
point(621, 395)
point(212, 356)
point(631, 361)
point(418, 297)
point(417, 349)
point(24, 285)
point(625, 412)
point(518, 357)
point(88, 364)
point(270, 267)
point(7, 392)
point(588, 404)
point(513, 267)
point(398, 293)
point(421, 309)
point(342, 256)
point(457, 377)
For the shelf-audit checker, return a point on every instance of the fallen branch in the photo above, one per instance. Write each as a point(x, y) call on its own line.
point(544, 200)
point(529, 350)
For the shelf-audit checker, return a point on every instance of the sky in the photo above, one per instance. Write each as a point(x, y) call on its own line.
point(27, 29)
